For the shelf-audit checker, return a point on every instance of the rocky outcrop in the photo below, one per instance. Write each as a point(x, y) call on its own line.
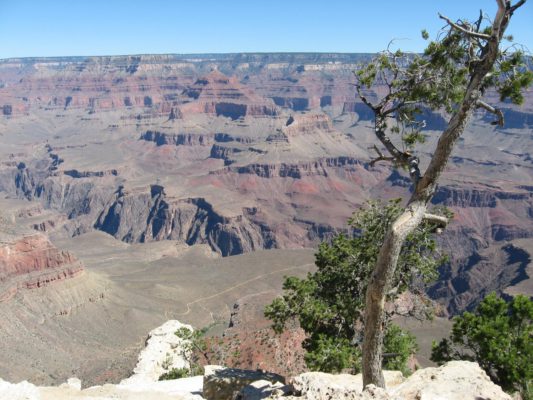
point(30, 262)
point(225, 96)
point(317, 167)
point(456, 380)
point(249, 341)
point(222, 383)
point(263, 389)
point(144, 217)
point(307, 124)
point(224, 153)
point(74, 173)
point(321, 386)
point(181, 389)
point(163, 352)
point(177, 139)
point(20, 391)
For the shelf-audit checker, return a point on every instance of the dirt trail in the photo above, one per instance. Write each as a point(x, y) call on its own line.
point(239, 285)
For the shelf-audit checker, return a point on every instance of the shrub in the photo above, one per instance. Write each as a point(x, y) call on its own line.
point(498, 336)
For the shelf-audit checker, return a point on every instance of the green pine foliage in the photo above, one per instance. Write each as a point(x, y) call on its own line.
point(499, 337)
point(329, 302)
point(193, 346)
point(437, 80)
point(175, 373)
point(400, 344)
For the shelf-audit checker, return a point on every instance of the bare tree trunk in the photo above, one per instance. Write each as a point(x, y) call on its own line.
point(407, 222)
point(377, 289)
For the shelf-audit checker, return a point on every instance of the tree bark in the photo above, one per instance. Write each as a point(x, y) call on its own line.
point(378, 287)
point(407, 222)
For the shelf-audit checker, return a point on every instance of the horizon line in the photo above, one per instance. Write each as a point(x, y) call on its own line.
point(192, 54)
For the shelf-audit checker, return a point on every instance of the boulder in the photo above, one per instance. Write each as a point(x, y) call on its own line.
point(72, 383)
point(321, 386)
point(455, 380)
point(18, 391)
point(262, 389)
point(222, 383)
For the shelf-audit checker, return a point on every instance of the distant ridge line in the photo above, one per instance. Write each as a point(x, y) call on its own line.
point(245, 56)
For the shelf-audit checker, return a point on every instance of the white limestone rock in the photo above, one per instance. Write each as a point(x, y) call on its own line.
point(163, 352)
point(455, 380)
point(72, 383)
point(319, 385)
point(19, 391)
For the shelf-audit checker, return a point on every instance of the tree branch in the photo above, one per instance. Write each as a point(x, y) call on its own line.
point(427, 185)
point(496, 111)
point(363, 98)
point(516, 6)
point(398, 106)
point(439, 220)
point(398, 155)
point(463, 30)
point(480, 19)
point(380, 157)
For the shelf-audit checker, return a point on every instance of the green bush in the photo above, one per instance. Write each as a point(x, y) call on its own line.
point(498, 336)
point(175, 373)
point(329, 303)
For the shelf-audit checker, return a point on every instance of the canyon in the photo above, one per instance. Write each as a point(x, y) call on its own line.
point(134, 189)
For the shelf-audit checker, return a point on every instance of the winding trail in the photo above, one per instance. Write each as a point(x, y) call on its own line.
point(239, 285)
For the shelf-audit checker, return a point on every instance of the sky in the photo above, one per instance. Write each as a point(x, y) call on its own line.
point(44, 28)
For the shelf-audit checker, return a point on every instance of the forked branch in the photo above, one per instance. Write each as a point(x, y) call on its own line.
point(380, 157)
point(467, 32)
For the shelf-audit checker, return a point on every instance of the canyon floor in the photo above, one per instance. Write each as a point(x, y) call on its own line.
point(94, 325)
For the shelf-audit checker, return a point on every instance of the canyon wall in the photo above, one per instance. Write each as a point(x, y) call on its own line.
point(245, 152)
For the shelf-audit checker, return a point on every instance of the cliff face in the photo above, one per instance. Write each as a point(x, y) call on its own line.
point(32, 261)
point(487, 222)
point(151, 217)
point(28, 260)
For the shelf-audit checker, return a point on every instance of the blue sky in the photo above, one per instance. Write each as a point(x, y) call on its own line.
point(96, 27)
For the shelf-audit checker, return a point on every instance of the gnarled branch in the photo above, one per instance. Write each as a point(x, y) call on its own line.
point(464, 30)
point(496, 111)
point(440, 220)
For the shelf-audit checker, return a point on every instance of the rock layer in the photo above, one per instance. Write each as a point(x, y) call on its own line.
point(30, 262)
